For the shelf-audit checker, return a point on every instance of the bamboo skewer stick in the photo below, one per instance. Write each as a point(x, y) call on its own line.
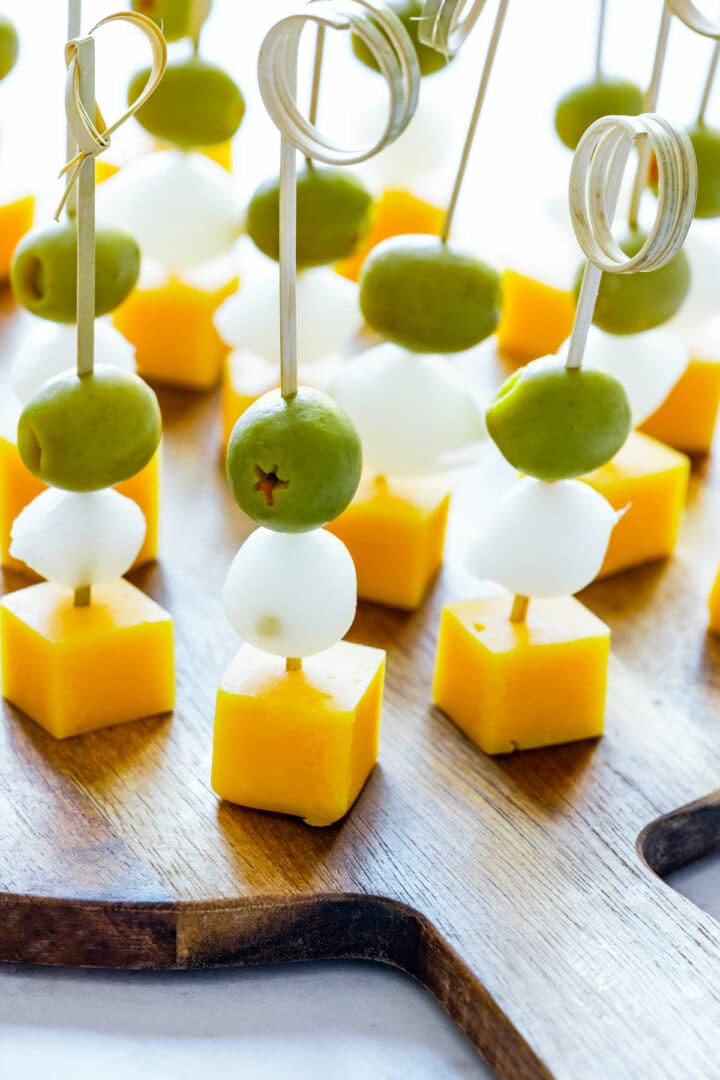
point(709, 80)
point(474, 119)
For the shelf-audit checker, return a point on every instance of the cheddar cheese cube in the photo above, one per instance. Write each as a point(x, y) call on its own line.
point(298, 742)
point(536, 318)
point(18, 487)
point(396, 213)
point(687, 417)
point(514, 686)
point(395, 532)
point(171, 326)
point(74, 669)
point(651, 480)
point(16, 219)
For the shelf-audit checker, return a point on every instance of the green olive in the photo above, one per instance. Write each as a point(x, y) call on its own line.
point(334, 212)
point(554, 424)
point(44, 268)
point(196, 104)
point(294, 464)
point(88, 432)
point(176, 18)
point(9, 46)
point(586, 103)
point(410, 13)
point(424, 295)
point(631, 303)
point(706, 143)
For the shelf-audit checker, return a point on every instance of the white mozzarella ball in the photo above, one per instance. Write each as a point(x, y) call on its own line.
point(648, 365)
point(413, 411)
point(401, 163)
point(544, 539)
point(181, 208)
point(49, 348)
point(79, 538)
point(703, 299)
point(703, 340)
point(291, 594)
point(328, 314)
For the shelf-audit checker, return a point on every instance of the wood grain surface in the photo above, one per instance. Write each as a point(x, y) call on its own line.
point(514, 888)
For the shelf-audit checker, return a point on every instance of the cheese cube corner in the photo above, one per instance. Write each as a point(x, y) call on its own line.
point(171, 326)
point(298, 742)
point(515, 686)
point(18, 487)
point(651, 480)
point(687, 417)
point(395, 533)
point(536, 318)
point(396, 213)
point(75, 669)
point(16, 219)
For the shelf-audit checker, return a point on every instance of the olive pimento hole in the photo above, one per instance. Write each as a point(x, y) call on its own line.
point(268, 483)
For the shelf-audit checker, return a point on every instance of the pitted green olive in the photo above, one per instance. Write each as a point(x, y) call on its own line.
point(333, 215)
point(585, 104)
point(88, 432)
point(555, 424)
point(174, 17)
point(195, 104)
point(706, 144)
point(410, 13)
point(9, 46)
point(631, 303)
point(426, 296)
point(44, 270)
point(294, 464)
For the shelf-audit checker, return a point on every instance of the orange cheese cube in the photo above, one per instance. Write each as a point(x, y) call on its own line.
point(18, 487)
point(16, 219)
point(536, 318)
point(395, 533)
point(104, 169)
point(298, 742)
point(171, 326)
point(514, 686)
point(687, 417)
point(396, 213)
point(651, 480)
point(75, 669)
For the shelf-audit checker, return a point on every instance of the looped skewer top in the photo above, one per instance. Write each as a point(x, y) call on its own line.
point(446, 24)
point(595, 178)
point(389, 42)
point(695, 19)
point(91, 133)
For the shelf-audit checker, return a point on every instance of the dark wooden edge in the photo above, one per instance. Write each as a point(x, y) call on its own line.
point(154, 936)
point(682, 836)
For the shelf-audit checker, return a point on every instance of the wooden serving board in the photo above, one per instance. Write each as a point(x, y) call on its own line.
point(522, 890)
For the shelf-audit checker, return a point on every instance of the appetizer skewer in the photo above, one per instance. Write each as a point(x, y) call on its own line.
point(298, 711)
point(547, 538)
point(105, 649)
